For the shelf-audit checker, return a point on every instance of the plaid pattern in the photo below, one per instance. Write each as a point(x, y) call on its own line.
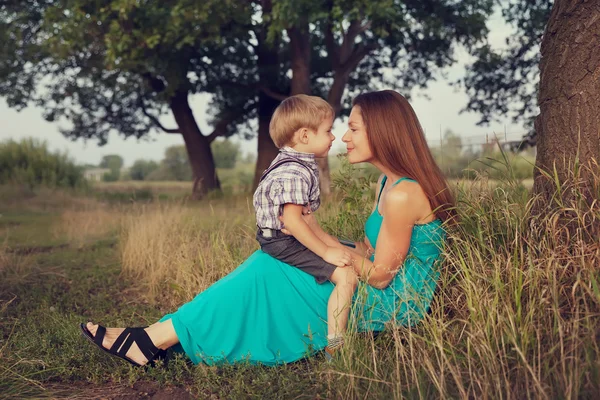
point(288, 183)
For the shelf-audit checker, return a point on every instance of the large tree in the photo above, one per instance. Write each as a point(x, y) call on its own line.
point(348, 46)
point(568, 127)
point(117, 65)
point(549, 76)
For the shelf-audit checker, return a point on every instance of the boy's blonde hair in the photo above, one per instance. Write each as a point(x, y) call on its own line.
point(296, 112)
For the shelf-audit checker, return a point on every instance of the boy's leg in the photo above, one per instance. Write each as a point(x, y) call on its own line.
point(290, 251)
point(338, 307)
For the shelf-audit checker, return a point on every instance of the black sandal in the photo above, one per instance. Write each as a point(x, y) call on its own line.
point(123, 343)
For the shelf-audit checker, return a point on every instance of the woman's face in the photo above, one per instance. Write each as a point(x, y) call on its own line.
point(356, 139)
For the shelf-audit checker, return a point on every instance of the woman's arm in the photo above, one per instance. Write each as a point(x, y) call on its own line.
point(402, 210)
point(361, 250)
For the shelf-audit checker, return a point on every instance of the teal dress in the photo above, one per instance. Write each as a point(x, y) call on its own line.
point(267, 312)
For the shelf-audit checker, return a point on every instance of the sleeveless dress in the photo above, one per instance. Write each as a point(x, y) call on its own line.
point(267, 312)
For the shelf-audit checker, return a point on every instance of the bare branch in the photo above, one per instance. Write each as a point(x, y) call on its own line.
point(155, 120)
point(273, 94)
point(365, 27)
point(332, 47)
point(227, 117)
point(348, 41)
point(359, 53)
point(220, 128)
point(346, 53)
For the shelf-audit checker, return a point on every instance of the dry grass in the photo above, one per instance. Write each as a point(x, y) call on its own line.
point(42, 199)
point(170, 187)
point(15, 268)
point(184, 248)
point(83, 226)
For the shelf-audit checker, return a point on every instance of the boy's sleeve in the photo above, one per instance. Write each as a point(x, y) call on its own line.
point(292, 189)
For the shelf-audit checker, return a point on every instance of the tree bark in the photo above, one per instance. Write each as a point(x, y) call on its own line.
point(197, 146)
point(266, 148)
point(268, 70)
point(300, 60)
point(568, 126)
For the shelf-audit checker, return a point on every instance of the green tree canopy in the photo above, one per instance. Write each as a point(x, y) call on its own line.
point(504, 82)
point(226, 153)
point(112, 161)
point(117, 65)
point(140, 169)
point(176, 163)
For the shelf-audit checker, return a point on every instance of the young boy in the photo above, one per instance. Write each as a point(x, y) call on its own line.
point(301, 129)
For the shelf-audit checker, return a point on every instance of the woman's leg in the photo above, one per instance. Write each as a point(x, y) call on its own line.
point(162, 335)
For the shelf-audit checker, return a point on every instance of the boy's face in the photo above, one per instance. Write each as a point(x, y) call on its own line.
point(319, 141)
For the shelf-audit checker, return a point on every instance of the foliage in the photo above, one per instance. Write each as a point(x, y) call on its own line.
point(30, 162)
point(176, 162)
point(113, 65)
point(140, 169)
point(114, 163)
point(111, 161)
point(504, 81)
point(225, 153)
point(381, 44)
point(118, 65)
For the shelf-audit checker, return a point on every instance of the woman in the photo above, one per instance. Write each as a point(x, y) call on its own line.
point(267, 312)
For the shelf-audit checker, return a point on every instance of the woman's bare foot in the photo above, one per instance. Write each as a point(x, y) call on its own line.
point(111, 335)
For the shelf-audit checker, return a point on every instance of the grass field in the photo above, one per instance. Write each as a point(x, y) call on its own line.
point(516, 316)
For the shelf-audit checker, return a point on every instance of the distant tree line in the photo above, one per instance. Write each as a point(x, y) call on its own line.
point(174, 166)
point(30, 162)
point(467, 162)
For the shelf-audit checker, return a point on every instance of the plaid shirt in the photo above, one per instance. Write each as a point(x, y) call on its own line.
point(287, 183)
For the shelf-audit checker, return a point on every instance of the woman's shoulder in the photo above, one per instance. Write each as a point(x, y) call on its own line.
point(408, 197)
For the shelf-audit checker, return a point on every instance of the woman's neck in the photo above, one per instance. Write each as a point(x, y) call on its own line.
point(391, 176)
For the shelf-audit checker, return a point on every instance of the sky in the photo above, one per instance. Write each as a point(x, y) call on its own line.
point(438, 108)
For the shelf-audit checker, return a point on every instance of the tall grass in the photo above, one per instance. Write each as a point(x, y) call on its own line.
point(176, 251)
point(516, 314)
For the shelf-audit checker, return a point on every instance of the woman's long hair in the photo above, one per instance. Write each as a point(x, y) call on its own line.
point(397, 141)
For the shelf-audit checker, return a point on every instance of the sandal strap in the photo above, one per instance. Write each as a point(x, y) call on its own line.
point(128, 337)
point(114, 349)
point(122, 352)
point(99, 337)
point(145, 344)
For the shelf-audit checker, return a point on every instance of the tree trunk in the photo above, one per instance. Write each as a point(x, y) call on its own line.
point(266, 148)
point(197, 146)
point(568, 127)
point(300, 60)
point(334, 97)
point(268, 70)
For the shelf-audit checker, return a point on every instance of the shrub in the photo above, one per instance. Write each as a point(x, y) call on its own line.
point(31, 163)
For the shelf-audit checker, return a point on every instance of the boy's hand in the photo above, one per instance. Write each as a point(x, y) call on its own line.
point(338, 257)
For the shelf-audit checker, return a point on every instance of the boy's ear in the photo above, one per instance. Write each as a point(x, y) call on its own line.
point(302, 136)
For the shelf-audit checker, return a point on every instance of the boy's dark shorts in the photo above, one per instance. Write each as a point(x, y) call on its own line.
point(288, 249)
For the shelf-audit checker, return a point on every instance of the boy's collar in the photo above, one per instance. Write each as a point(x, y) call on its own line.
point(298, 154)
